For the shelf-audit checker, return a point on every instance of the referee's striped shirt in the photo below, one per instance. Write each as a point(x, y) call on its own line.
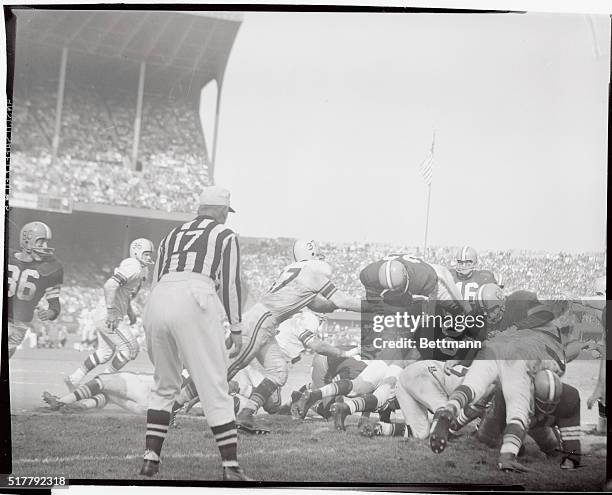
point(205, 246)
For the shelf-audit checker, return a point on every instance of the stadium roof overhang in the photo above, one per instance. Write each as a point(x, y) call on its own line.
point(174, 45)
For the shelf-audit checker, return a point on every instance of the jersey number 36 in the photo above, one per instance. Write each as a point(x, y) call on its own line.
point(20, 283)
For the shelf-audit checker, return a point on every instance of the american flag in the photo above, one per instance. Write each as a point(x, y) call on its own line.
point(427, 168)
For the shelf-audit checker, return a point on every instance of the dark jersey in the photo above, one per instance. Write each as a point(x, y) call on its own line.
point(468, 286)
point(422, 277)
point(438, 333)
point(28, 282)
point(344, 368)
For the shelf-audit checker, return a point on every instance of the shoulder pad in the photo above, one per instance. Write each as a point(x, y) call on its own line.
point(129, 267)
point(319, 266)
point(49, 267)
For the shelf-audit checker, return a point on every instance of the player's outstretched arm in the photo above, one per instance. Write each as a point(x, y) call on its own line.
point(320, 347)
point(344, 301)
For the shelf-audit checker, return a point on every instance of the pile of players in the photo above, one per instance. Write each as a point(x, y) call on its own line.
point(512, 384)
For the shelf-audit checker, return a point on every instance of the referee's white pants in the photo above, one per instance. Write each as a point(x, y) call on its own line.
point(183, 321)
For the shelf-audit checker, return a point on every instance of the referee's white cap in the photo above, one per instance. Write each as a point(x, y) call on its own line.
point(215, 196)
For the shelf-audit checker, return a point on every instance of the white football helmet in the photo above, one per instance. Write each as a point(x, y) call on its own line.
point(305, 250)
point(142, 250)
point(34, 238)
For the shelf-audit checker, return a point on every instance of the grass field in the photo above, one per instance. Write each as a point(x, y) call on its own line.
point(109, 443)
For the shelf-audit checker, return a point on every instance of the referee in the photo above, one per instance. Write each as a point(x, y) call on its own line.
point(196, 283)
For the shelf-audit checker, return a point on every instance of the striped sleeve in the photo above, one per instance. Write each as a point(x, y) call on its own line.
point(52, 292)
point(305, 337)
point(230, 280)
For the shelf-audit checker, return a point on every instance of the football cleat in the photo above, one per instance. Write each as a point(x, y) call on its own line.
point(245, 421)
point(235, 474)
point(305, 403)
point(149, 468)
point(70, 384)
point(340, 411)
point(438, 438)
point(52, 401)
point(150, 464)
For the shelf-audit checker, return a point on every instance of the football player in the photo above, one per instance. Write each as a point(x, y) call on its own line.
point(33, 274)
point(304, 283)
point(597, 303)
point(424, 386)
point(126, 389)
point(555, 425)
point(511, 359)
point(115, 338)
point(376, 376)
point(299, 333)
point(398, 277)
point(467, 278)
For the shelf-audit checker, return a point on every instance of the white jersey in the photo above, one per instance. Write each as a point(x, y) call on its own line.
point(295, 334)
point(130, 275)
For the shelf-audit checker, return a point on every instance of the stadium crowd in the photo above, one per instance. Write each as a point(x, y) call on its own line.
point(94, 163)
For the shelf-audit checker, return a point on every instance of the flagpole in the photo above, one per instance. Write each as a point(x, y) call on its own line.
point(427, 220)
point(433, 141)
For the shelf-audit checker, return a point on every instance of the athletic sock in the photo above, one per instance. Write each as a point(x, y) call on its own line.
point(226, 437)
point(341, 387)
point(84, 391)
point(366, 403)
point(157, 429)
point(118, 362)
point(262, 392)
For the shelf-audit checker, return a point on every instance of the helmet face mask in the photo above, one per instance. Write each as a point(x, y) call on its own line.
point(495, 314)
point(466, 259)
point(465, 268)
point(491, 302)
point(142, 250)
point(34, 241)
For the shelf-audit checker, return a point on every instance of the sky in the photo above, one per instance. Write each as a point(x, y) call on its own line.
point(325, 119)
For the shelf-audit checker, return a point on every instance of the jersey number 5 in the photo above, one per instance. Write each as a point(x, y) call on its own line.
point(20, 283)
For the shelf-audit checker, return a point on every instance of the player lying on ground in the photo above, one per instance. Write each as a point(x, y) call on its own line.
point(32, 273)
point(424, 386)
point(126, 389)
point(115, 338)
point(372, 387)
point(299, 333)
point(555, 426)
point(304, 282)
point(510, 359)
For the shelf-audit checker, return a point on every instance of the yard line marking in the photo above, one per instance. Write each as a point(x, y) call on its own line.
point(196, 455)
